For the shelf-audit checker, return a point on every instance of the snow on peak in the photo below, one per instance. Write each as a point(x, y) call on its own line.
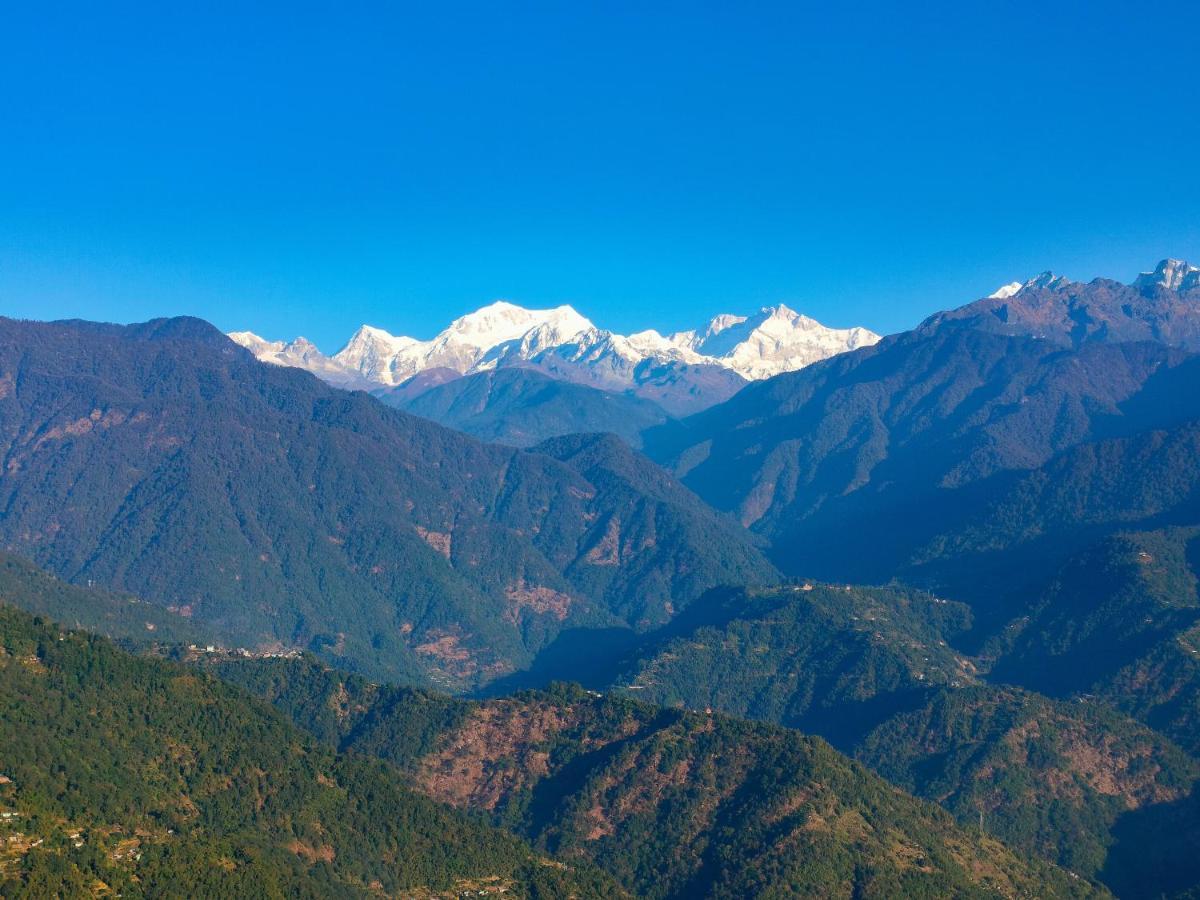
point(775, 339)
point(503, 321)
point(299, 353)
point(1047, 280)
point(1172, 274)
point(1006, 291)
point(370, 335)
point(259, 346)
point(477, 340)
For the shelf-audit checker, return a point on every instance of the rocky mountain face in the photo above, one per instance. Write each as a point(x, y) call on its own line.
point(1162, 306)
point(1170, 275)
point(682, 373)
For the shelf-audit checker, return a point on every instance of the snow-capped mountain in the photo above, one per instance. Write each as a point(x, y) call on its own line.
point(1005, 291)
point(302, 354)
point(1160, 306)
point(465, 346)
point(1172, 274)
point(686, 371)
point(1047, 280)
point(773, 340)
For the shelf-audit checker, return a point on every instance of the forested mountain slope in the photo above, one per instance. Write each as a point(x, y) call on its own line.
point(164, 460)
point(1120, 620)
point(122, 618)
point(876, 671)
point(1064, 780)
point(828, 659)
point(848, 464)
point(673, 804)
point(136, 777)
point(972, 455)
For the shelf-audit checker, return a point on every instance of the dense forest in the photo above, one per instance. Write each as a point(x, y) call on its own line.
point(671, 803)
point(134, 776)
point(876, 671)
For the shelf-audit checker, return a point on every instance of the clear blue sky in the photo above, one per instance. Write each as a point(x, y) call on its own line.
point(302, 169)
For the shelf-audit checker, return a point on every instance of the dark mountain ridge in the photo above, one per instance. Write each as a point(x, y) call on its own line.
point(1162, 306)
point(853, 467)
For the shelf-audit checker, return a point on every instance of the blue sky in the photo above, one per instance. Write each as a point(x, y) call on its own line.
point(302, 168)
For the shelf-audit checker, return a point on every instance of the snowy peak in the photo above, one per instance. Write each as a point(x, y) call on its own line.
point(696, 339)
point(370, 353)
point(260, 347)
point(775, 339)
point(502, 321)
point(1047, 281)
point(1005, 291)
point(300, 353)
point(1172, 274)
point(278, 352)
point(476, 340)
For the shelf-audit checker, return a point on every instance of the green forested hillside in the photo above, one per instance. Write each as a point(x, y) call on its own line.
point(657, 534)
point(1121, 621)
point(848, 465)
point(164, 460)
point(831, 659)
point(674, 804)
point(1056, 778)
point(122, 618)
point(140, 777)
point(875, 671)
point(1015, 532)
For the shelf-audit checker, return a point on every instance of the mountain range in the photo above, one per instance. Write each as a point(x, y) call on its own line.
point(966, 555)
point(165, 461)
point(856, 468)
point(682, 372)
